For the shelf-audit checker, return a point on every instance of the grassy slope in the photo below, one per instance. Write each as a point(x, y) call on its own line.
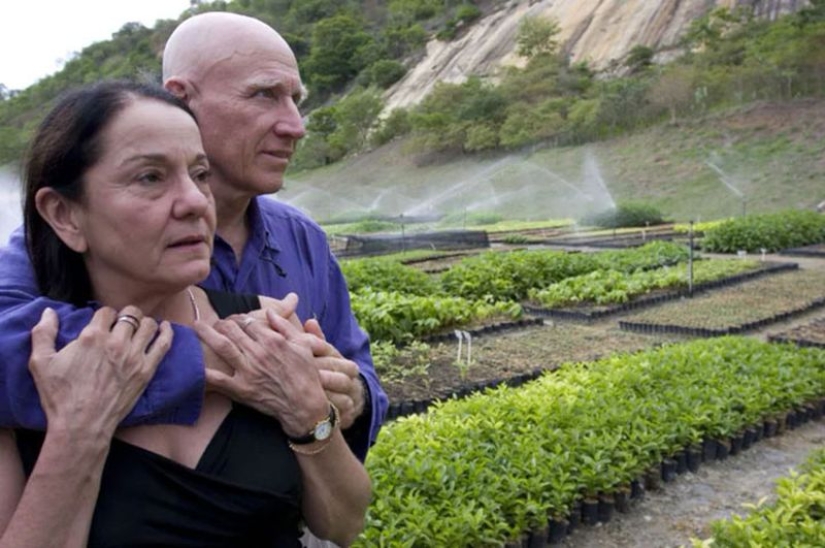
point(774, 153)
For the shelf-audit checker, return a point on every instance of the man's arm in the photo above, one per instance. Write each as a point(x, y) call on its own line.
point(342, 332)
point(174, 395)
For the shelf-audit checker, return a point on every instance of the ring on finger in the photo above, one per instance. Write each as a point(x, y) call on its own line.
point(131, 320)
point(246, 321)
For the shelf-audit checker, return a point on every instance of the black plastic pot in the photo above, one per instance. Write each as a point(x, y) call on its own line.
point(557, 529)
point(653, 478)
point(621, 498)
point(758, 432)
point(736, 443)
point(694, 458)
point(606, 506)
point(748, 437)
point(538, 538)
point(575, 517)
point(722, 449)
point(590, 511)
point(681, 462)
point(770, 428)
point(781, 424)
point(637, 489)
point(708, 449)
point(668, 470)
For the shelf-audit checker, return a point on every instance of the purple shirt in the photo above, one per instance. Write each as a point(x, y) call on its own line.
point(286, 252)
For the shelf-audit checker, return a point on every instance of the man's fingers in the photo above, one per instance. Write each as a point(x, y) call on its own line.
point(219, 343)
point(283, 326)
point(312, 327)
point(218, 381)
point(285, 308)
point(335, 364)
point(44, 334)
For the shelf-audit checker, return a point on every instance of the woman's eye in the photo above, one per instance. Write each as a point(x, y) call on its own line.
point(150, 177)
point(201, 175)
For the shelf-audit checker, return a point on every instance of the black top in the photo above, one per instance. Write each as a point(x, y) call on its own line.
point(244, 492)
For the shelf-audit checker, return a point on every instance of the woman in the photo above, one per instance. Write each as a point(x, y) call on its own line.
point(118, 211)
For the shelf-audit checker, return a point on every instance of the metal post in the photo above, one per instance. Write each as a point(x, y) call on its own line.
point(690, 259)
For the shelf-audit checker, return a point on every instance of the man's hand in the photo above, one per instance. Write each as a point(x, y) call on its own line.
point(273, 369)
point(339, 377)
point(221, 354)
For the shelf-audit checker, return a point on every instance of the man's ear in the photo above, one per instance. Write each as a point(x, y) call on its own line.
point(178, 87)
point(63, 216)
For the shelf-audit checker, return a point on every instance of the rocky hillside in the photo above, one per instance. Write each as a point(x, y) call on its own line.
point(601, 32)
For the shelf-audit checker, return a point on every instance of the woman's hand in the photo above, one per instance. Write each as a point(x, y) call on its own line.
point(94, 381)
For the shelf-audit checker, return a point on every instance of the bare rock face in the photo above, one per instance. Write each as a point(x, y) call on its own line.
point(600, 32)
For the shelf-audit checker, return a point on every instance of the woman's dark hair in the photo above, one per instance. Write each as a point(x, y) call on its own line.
point(66, 145)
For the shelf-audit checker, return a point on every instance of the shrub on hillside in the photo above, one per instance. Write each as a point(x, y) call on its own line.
point(771, 232)
point(386, 72)
point(625, 215)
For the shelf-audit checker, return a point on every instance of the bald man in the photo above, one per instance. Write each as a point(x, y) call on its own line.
point(241, 80)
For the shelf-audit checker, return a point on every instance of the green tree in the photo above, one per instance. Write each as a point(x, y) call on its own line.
point(397, 123)
point(356, 115)
point(334, 57)
point(537, 36)
point(639, 59)
point(386, 72)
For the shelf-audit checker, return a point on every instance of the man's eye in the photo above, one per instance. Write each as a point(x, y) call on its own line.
point(266, 93)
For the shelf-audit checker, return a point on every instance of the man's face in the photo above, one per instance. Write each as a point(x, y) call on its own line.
point(247, 108)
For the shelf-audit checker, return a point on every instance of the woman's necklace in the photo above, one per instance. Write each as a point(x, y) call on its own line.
point(195, 308)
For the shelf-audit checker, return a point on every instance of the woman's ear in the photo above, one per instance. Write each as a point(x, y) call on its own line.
point(63, 216)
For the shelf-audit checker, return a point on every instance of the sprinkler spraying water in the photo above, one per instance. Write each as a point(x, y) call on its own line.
point(726, 180)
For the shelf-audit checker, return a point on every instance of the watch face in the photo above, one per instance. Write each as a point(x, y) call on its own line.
point(323, 430)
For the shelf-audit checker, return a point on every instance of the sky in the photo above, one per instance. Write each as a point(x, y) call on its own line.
point(37, 36)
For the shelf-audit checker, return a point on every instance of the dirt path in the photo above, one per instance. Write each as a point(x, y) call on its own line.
point(685, 507)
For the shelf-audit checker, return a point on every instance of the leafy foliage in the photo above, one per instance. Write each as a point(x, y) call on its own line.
point(772, 232)
point(537, 36)
point(482, 470)
point(401, 318)
point(386, 275)
point(511, 276)
point(795, 519)
point(626, 215)
point(612, 287)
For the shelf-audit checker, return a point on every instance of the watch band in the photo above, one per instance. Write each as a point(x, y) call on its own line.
point(330, 421)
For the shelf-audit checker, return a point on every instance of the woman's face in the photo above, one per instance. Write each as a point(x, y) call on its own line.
point(147, 216)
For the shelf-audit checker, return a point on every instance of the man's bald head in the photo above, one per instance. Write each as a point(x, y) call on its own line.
point(209, 38)
point(241, 79)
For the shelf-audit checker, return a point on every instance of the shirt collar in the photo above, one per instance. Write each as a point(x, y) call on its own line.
point(260, 238)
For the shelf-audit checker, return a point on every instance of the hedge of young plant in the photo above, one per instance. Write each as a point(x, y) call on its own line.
point(510, 276)
point(612, 286)
point(381, 274)
point(797, 518)
point(482, 470)
point(625, 215)
point(398, 303)
point(771, 231)
point(401, 318)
